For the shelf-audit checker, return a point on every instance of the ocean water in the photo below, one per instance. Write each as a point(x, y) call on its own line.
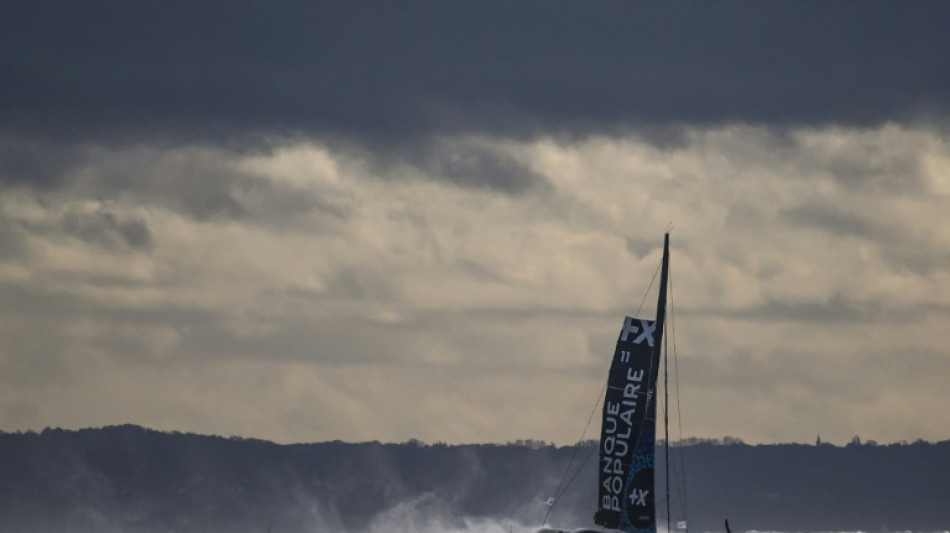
point(492, 526)
point(422, 523)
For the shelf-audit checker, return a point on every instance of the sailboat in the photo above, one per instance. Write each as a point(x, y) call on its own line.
point(626, 490)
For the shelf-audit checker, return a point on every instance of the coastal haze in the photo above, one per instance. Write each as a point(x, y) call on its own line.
point(306, 222)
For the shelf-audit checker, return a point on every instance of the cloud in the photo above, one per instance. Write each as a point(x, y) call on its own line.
point(425, 90)
point(40, 164)
point(11, 243)
point(835, 221)
point(475, 163)
point(314, 221)
point(107, 230)
point(339, 299)
point(226, 72)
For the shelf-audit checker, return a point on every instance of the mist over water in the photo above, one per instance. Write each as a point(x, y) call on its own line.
point(425, 514)
point(433, 514)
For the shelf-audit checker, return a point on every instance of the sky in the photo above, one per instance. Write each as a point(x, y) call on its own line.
point(306, 221)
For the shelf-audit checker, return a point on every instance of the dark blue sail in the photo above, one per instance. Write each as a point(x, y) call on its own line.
point(628, 430)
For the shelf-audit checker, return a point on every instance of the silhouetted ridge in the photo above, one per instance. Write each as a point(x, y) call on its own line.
point(127, 478)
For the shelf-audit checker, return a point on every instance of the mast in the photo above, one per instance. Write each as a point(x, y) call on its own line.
point(666, 425)
point(661, 300)
point(660, 321)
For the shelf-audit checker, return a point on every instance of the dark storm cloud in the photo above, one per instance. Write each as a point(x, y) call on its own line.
point(108, 230)
point(483, 167)
point(299, 342)
point(470, 163)
point(201, 183)
point(836, 310)
point(639, 248)
point(37, 163)
point(839, 221)
point(901, 247)
point(11, 240)
point(921, 260)
point(173, 71)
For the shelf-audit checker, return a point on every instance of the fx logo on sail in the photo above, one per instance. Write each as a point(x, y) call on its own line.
point(646, 329)
point(639, 497)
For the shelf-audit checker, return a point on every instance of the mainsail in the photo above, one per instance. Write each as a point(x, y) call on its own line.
point(628, 430)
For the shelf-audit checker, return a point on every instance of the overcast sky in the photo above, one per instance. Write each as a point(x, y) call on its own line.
point(306, 221)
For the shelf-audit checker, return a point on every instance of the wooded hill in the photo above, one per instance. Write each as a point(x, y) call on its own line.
point(127, 478)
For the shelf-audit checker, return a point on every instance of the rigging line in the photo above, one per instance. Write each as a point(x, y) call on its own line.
point(679, 474)
point(590, 454)
point(679, 414)
point(647, 292)
point(666, 453)
point(562, 487)
point(677, 478)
